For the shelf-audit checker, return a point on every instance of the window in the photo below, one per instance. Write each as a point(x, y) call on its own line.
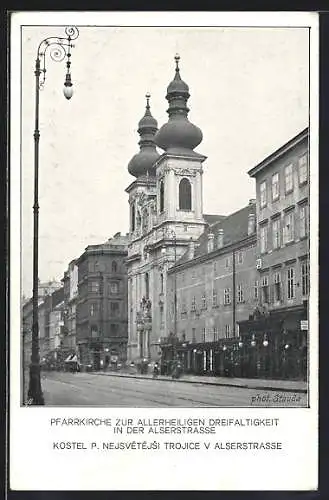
point(193, 335)
point(214, 297)
point(277, 287)
point(203, 301)
point(193, 304)
point(161, 283)
point(113, 329)
point(227, 262)
point(94, 331)
point(215, 266)
point(240, 294)
point(305, 277)
point(240, 257)
point(265, 294)
point(263, 239)
point(94, 286)
point(114, 267)
point(161, 196)
point(215, 333)
point(183, 310)
point(185, 195)
point(302, 169)
point(203, 334)
point(94, 308)
point(289, 227)
point(291, 283)
point(193, 274)
point(147, 285)
point(263, 195)
point(275, 187)
point(303, 221)
point(133, 215)
point(227, 296)
point(276, 233)
point(114, 308)
point(288, 179)
point(227, 331)
point(114, 287)
point(256, 290)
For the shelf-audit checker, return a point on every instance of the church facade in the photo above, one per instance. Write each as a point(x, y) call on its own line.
point(165, 201)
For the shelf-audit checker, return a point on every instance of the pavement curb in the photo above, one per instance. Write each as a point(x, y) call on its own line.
point(224, 384)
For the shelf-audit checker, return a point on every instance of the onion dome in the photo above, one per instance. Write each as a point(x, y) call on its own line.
point(142, 163)
point(179, 135)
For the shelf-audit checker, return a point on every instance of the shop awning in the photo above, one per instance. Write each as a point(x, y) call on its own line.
point(72, 358)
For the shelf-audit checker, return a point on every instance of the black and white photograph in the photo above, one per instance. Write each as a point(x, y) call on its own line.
point(163, 253)
point(165, 261)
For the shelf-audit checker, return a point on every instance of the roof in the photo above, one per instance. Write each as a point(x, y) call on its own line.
point(280, 152)
point(118, 243)
point(211, 219)
point(118, 239)
point(235, 227)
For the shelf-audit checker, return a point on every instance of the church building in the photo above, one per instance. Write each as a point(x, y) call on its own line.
point(166, 214)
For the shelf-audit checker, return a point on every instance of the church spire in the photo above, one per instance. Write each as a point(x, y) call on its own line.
point(179, 135)
point(142, 163)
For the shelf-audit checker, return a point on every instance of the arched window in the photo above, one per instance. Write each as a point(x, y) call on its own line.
point(161, 196)
point(133, 217)
point(114, 267)
point(185, 202)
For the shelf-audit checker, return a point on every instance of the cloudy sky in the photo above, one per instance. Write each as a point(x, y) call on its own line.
point(249, 95)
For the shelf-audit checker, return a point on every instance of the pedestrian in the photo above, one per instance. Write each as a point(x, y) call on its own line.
point(155, 370)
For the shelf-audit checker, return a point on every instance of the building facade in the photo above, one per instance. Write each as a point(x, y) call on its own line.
point(101, 308)
point(44, 305)
point(278, 331)
point(165, 203)
point(215, 287)
point(45, 292)
point(70, 284)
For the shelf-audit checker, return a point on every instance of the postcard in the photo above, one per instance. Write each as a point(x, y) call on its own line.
point(163, 214)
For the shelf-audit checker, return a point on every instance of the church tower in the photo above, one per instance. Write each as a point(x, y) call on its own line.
point(142, 208)
point(179, 170)
point(165, 215)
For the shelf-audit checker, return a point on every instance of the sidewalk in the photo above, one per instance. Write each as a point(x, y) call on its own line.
point(297, 386)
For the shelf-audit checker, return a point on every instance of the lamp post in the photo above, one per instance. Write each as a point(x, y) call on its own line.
point(58, 48)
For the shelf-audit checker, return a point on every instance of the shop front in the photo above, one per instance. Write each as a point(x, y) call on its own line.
point(272, 346)
point(275, 346)
point(221, 358)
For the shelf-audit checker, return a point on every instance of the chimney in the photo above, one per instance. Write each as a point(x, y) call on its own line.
point(191, 248)
point(251, 224)
point(220, 238)
point(210, 242)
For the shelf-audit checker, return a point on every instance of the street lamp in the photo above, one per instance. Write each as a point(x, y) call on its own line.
point(58, 48)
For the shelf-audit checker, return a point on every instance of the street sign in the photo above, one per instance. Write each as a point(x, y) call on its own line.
point(304, 324)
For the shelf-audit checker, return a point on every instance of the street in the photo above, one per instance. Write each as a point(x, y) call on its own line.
point(84, 389)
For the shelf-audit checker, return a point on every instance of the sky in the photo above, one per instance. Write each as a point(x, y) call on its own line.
point(249, 95)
